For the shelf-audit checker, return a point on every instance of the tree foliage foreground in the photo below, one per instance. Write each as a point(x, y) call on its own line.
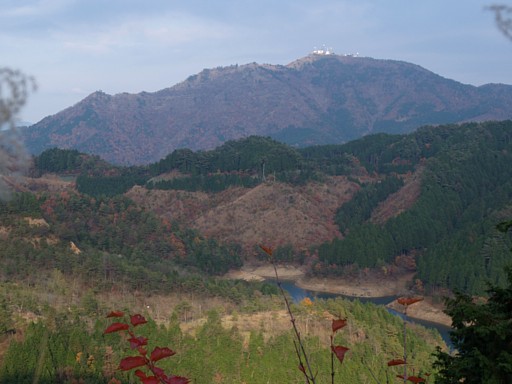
point(482, 337)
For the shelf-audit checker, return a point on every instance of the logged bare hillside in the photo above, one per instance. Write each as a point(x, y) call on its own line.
point(401, 200)
point(273, 213)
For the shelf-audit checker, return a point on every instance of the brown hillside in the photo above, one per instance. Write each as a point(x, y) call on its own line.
point(273, 213)
point(313, 100)
point(401, 200)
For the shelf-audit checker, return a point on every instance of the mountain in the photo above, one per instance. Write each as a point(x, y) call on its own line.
point(314, 100)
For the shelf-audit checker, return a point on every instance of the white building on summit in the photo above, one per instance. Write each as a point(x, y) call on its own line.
point(323, 51)
point(330, 52)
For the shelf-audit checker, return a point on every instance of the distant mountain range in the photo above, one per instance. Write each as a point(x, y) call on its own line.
point(314, 100)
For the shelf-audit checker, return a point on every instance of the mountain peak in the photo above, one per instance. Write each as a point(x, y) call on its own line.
point(316, 99)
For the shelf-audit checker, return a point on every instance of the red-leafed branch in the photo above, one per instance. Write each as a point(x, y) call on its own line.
point(406, 302)
point(304, 365)
point(153, 374)
point(337, 351)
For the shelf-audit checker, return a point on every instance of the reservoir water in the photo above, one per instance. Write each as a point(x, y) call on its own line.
point(298, 294)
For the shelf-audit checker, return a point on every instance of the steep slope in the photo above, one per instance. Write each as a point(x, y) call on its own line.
point(314, 100)
point(274, 213)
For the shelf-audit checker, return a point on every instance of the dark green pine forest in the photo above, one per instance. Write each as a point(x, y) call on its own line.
point(466, 189)
point(68, 257)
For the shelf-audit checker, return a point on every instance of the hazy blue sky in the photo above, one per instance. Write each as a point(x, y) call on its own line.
point(75, 47)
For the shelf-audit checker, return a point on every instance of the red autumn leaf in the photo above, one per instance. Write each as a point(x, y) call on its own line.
point(267, 250)
point(137, 320)
point(161, 353)
point(395, 362)
point(131, 362)
point(116, 327)
point(338, 324)
point(339, 351)
point(116, 314)
point(416, 379)
point(138, 341)
point(159, 372)
point(140, 374)
point(408, 300)
point(412, 379)
point(142, 351)
point(150, 380)
point(178, 380)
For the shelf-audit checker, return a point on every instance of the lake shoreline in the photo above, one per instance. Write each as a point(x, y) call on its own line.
point(354, 288)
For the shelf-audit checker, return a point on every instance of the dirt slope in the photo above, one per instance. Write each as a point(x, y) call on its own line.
point(401, 200)
point(271, 213)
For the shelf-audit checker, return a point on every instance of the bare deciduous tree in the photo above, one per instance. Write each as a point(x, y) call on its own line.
point(14, 89)
point(503, 17)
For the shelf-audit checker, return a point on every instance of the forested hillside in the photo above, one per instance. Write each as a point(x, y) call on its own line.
point(67, 259)
point(222, 346)
point(466, 189)
point(446, 226)
point(99, 238)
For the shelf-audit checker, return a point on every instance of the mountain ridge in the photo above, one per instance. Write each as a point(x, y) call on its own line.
point(312, 100)
point(393, 201)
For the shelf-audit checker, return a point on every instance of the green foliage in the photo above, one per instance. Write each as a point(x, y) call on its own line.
point(6, 321)
point(208, 183)
point(121, 245)
point(504, 226)
point(331, 159)
point(60, 348)
point(482, 338)
point(23, 203)
point(110, 182)
point(360, 207)
point(356, 248)
point(108, 186)
point(57, 160)
point(60, 351)
point(245, 155)
point(372, 151)
point(286, 253)
point(244, 162)
point(20, 261)
point(236, 163)
point(116, 226)
point(465, 187)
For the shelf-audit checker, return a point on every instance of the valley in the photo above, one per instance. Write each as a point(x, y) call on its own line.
point(367, 286)
point(174, 212)
point(179, 241)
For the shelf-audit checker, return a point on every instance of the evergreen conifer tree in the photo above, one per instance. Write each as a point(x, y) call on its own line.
point(482, 338)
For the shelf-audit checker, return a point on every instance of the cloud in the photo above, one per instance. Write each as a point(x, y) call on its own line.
point(39, 8)
point(166, 31)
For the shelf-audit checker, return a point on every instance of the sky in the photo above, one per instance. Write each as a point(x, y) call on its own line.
point(76, 47)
